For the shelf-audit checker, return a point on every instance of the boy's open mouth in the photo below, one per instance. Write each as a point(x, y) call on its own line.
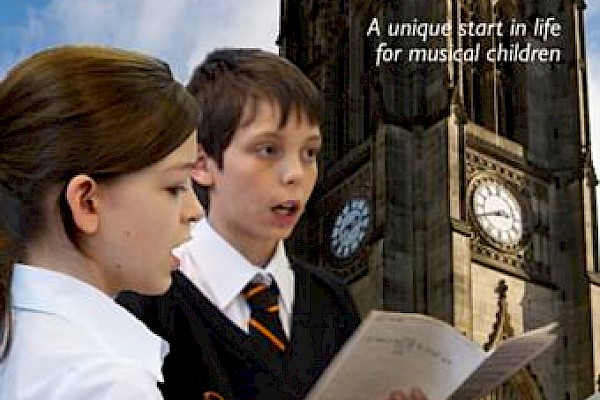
point(286, 208)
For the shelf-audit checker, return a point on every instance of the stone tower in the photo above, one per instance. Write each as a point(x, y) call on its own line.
point(462, 187)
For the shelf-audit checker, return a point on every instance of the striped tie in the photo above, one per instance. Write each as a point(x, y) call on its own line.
point(265, 323)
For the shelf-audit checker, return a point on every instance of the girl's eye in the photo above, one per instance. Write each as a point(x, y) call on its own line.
point(175, 191)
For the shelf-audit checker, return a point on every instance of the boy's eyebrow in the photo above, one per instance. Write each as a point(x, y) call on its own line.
point(277, 134)
point(315, 137)
point(267, 133)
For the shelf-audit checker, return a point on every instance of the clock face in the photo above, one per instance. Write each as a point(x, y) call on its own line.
point(350, 228)
point(498, 212)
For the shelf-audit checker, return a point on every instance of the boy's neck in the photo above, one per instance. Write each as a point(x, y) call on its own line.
point(256, 257)
point(258, 252)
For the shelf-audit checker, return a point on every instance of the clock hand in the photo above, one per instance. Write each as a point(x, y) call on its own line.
point(497, 213)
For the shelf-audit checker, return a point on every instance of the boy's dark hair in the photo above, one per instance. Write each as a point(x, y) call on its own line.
point(231, 79)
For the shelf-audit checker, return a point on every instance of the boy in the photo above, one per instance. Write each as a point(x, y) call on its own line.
point(259, 139)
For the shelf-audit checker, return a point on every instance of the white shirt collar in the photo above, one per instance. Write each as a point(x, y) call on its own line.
point(221, 272)
point(279, 268)
point(39, 289)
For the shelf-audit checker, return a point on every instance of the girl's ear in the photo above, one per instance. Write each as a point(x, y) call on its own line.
point(204, 170)
point(82, 197)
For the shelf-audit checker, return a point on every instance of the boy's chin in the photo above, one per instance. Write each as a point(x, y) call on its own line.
point(286, 233)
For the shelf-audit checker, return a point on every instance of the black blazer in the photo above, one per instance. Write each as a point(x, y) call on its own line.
point(210, 355)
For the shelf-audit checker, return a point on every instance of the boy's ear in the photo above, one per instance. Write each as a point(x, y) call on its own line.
point(203, 171)
point(82, 197)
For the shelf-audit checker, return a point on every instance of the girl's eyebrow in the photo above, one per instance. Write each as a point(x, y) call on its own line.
point(181, 166)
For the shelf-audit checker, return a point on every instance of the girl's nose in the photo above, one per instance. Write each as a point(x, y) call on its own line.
point(192, 209)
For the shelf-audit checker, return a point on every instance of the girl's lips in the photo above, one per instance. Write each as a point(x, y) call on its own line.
point(174, 262)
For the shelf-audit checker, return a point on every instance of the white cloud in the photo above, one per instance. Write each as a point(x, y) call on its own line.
point(179, 31)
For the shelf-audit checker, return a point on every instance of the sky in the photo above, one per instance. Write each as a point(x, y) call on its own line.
point(593, 57)
point(179, 31)
point(182, 32)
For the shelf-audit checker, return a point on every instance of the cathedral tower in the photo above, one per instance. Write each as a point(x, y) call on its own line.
point(461, 188)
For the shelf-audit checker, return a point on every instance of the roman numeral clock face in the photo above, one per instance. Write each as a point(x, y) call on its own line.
point(350, 228)
point(498, 213)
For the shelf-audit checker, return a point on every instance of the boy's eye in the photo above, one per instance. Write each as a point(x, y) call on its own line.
point(311, 153)
point(268, 150)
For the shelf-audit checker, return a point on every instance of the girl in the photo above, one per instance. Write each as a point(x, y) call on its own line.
point(96, 151)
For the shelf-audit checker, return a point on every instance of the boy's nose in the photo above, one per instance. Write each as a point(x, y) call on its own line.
point(293, 171)
point(192, 209)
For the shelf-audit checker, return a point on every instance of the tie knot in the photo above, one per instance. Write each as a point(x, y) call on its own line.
point(262, 297)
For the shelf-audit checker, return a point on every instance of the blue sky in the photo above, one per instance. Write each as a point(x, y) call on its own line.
point(179, 31)
point(593, 58)
point(183, 31)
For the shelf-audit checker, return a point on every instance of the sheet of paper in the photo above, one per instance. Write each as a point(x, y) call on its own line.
point(503, 362)
point(398, 351)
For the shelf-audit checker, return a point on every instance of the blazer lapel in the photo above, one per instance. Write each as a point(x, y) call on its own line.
point(196, 306)
point(301, 359)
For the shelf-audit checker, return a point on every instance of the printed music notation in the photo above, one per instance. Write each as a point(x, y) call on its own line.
point(392, 350)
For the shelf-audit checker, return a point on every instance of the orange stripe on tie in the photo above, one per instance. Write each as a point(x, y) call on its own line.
point(255, 290)
point(273, 309)
point(210, 395)
point(267, 333)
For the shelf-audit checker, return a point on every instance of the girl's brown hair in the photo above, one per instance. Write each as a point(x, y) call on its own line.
point(74, 110)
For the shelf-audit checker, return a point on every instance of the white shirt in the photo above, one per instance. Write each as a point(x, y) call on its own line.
point(73, 342)
point(220, 272)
